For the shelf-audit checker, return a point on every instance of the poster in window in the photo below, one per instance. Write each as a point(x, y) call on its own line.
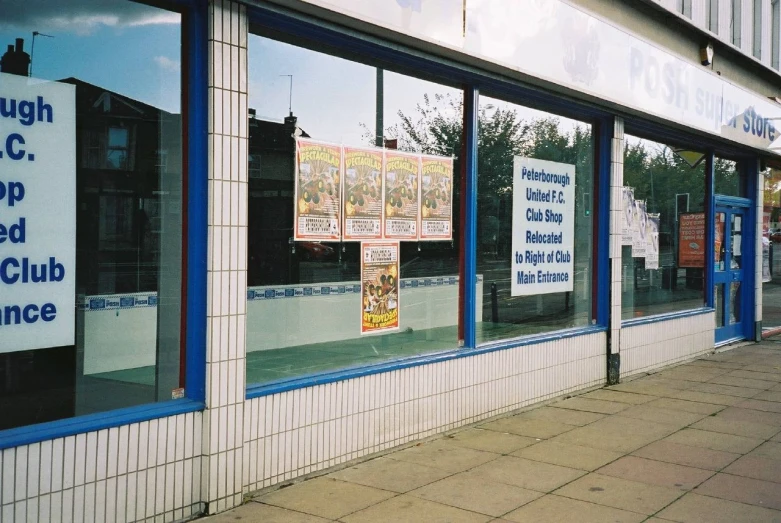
point(691, 240)
point(627, 223)
point(379, 287)
point(402, 194)
point(639, 220)
point(719, 247)
point(436, 198)
point(652, 241)
point(362, 193)
point(318, 191)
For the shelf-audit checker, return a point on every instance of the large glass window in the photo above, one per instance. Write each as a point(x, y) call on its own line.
point(663, 226)
point(91, 220)
point(346, 156)
point(771, 248)
point(534, 226)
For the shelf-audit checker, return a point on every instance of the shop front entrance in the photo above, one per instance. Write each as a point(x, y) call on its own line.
point(732, 290)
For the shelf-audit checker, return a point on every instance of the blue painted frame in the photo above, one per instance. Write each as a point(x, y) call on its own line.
point(468, 315)
point(194, 43)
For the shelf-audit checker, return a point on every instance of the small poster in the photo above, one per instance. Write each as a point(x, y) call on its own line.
point(691, 240)
point(719, 247)
point(639, 220)
point(402, 177)
point(362, 193)
point(318, 191)
point(652, 241)
point(436, 198)
point(379, 287)
point(627, 223)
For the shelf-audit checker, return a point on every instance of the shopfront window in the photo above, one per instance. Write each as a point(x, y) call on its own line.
point(663, 229)
point(728, 178)
point(771, 248)
point(353, 214)
point(90, 222)
point(535, 225)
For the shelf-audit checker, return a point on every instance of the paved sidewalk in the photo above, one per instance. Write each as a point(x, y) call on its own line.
point(700, 442)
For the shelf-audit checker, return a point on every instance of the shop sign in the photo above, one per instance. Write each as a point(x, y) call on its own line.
point(37, 213)
point(379, 287)
point(691, 240)
point(543, 227)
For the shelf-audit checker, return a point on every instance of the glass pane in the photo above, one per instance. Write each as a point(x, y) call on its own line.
point(663, 253)
point(319, 326)
point(533, 229)
point(734, 302)
point(728, 178)
point(736, 241)
point(771, 247)
point(113, 66)
point(719, 242)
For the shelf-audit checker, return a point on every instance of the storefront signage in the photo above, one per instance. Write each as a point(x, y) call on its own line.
point(362, 193)
point(318, 191)
point(436, 198)
point(543, 227)
point(691, 240)
point(379, 287)
point(37, 214)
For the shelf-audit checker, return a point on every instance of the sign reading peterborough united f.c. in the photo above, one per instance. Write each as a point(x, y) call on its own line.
point(543, 227)
point(37, 213)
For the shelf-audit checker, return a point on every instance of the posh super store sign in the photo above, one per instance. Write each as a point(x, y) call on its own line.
point(556, 42)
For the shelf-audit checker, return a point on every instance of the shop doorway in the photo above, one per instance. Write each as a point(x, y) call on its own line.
point(732, 292)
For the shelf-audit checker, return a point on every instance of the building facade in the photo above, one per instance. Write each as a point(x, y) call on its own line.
point(245, 241)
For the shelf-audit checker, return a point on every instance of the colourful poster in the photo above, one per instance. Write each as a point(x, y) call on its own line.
point(402, 176)
point(691, 240)
point(362, 194)
point(436, 198)
point(652, 241)
point(379, 287)
point(318, 191)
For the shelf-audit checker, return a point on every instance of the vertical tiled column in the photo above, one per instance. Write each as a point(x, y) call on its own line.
point(616, 218)
point(227, 264)
point(759, 256)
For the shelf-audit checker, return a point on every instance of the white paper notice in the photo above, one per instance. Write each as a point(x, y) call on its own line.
point(627, 223)
point(638, 233)
point(37, 214)
point(543, 227)
point(652, 242)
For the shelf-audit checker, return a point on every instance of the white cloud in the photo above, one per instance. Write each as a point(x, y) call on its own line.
point(166, 64)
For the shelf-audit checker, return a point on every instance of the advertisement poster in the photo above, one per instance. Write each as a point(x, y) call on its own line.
point(718, 242)
point(37, 214)
point(639, 219)
point(652, 239)
point(766, 275)
point(436, 198)
point(627, 224)
point(318, 191)
point(379, 287)
point(542, 258)
point(691, 240)
point(402, 176)
point(362, 194)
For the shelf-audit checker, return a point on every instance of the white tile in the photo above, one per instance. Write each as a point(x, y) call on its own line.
point(101, 459)
point(159, 506)
point(152, 447)
point(100, 501)
point(57, 463)
point(114, 451)
point(78, 504)
point(9, 462)
point(20, 476)
point(33, 469)
point(170, 443)
point(68, 505)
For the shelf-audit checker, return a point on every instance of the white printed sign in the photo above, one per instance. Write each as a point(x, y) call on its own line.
point(627, 223)
point(37, 214)
point(543, 227)
point(638, 232)
point(652, 241)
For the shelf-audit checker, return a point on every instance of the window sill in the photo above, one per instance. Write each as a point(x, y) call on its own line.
point(91, 422)
point(665, 317)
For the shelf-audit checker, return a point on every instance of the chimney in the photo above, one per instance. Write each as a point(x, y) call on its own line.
point(291, 121)
point(15, 60)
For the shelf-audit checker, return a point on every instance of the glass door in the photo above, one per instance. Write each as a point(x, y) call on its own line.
point(729, 292)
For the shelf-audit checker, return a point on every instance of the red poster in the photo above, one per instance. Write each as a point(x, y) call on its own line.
point(691, 239)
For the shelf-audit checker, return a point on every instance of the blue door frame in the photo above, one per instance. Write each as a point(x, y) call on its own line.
point(733, 271)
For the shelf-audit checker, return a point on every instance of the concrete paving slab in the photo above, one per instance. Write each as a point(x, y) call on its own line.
point(591, 405)
point(739, 428)
point(444, 455)
point(757, 467)
point(687, 455)
point(528, 474)
point(490, 440)
point(409, 509)
point(693, 508)
point(617, 434)
point(694, 407)
point(714, 440)
point(390, 474)
point(572, 456)
point(726, 390)
point(325, 497)
point(620, 493)
point(743, 382)
point(254, 512)
point(533, 428)
point(472, 491)
point(772, 369)
point(751, 416)
point(759, 404)
point(706, 397)
point(618, 396)
point(656, 472)
point(568, 417)
point(558, 508)
point(648, 412)
point(769, 395)
point(743, 490)
point(756, 375)
point(768, 450)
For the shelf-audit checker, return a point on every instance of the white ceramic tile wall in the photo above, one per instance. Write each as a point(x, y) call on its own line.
point(128, 473)
point(223, 448)
point(616, 215)
point(302, 431)
point(758, 210)
point(653, 345)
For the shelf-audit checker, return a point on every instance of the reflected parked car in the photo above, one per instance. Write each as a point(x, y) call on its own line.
point(315, 251)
